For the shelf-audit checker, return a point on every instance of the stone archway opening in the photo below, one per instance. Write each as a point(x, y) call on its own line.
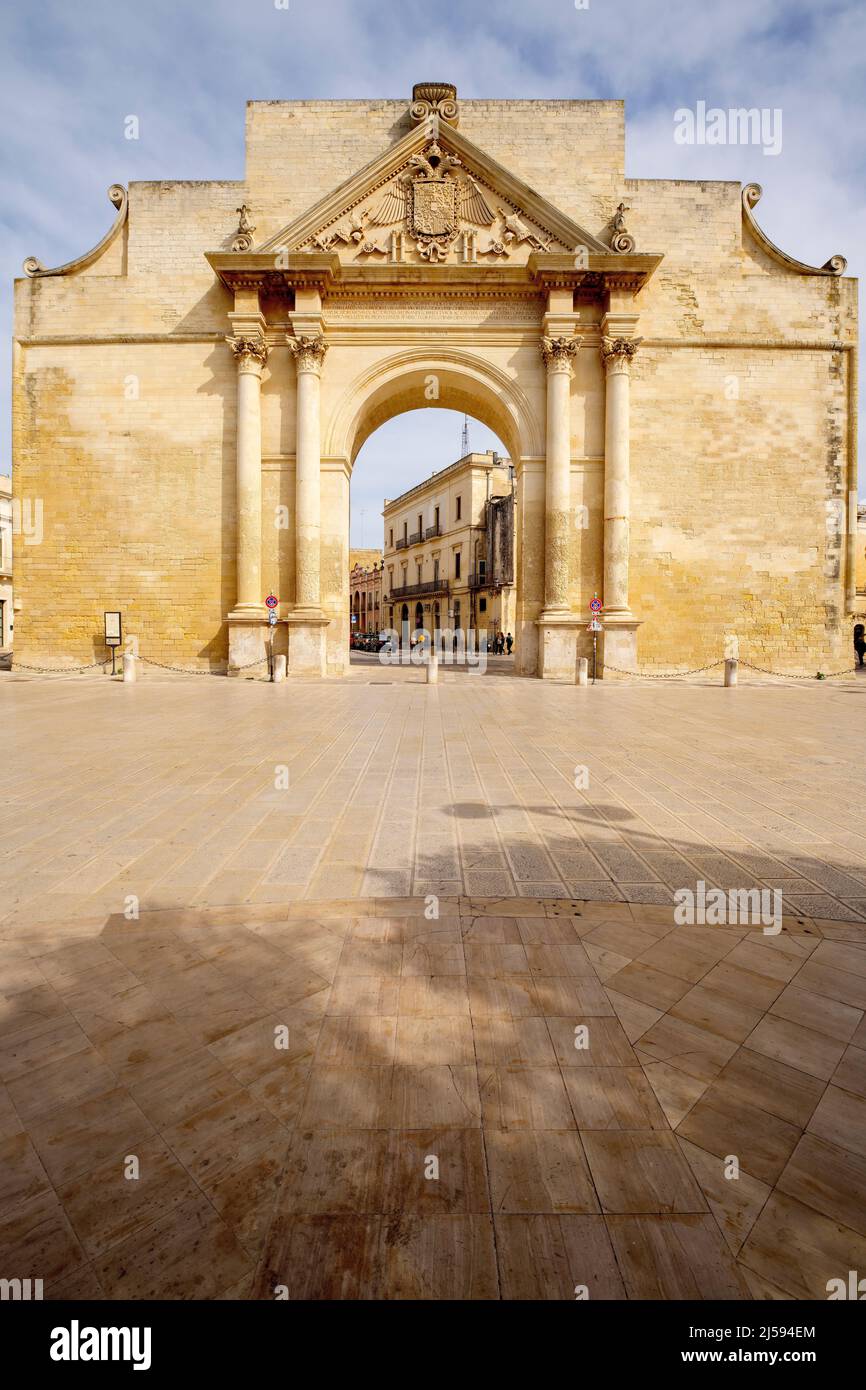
point(465, 549)
point(442, 488)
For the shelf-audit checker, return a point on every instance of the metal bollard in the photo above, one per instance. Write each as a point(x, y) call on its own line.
point(432, 664)
point(582, 670)
point(280, 668)
point(731, 665)
point(129, 664)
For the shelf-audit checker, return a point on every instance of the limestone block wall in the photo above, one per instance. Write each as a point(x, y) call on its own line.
point(739, 455)
point(732, 517)
point(137, 495)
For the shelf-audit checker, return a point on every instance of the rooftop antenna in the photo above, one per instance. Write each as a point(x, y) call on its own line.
point(464, 442)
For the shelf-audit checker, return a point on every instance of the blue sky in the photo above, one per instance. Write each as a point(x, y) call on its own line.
point(73, 71)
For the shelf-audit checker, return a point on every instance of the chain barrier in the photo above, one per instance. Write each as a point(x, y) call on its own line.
point(664, 675)
point(186, 671)
point(699, 670)
point(788, 675)
point(620, 671)
point(76, 670)
point(58, 670)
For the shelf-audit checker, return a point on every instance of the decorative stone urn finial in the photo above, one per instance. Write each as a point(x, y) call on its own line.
point(434, 99)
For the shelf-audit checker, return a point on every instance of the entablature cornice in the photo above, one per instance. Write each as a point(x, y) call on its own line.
point(272, 273)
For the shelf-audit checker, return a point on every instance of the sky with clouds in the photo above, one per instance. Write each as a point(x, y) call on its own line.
point(73, 71)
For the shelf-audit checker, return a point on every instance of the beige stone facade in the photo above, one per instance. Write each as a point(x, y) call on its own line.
point(677, 395)
point(861, 556)
point(6, 618)
point(365, 590)
point(449, 562)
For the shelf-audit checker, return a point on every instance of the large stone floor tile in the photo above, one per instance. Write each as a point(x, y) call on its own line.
point(538, 1171)
point(556, 1257)
point(190, 1253)
point(674, 1257)
point(800, 1249)
point(640, 1172)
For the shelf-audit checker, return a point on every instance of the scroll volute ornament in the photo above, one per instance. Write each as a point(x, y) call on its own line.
point(622, 241)
point(434, 99)
point(243, 237)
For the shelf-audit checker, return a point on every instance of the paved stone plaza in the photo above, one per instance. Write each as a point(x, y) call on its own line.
point(433, 1121)
point(166, 790)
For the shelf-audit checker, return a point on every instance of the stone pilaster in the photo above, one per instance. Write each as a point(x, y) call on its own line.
point(620, 625)
point(307, 622)
point(557, 647)
point(248, 618)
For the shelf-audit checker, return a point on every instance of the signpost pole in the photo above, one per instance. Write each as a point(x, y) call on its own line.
point(113, 636)
point(271, 603)
point(595, 628)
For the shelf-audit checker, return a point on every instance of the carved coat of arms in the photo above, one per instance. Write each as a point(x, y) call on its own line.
point(430, 202)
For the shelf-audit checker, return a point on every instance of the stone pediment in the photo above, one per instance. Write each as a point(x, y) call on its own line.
point(435, 197)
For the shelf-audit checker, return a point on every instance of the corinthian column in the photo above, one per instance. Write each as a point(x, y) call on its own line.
point(309, 355)
point(617, 354)
point(558, 354)
point(251, 354)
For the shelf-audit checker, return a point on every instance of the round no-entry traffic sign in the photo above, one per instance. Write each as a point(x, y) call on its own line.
point(271, 600)
point(596, 605)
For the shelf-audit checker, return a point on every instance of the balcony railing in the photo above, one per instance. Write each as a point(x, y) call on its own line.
point(429, 586)
point(434, 530)
point(402, 542)
point(415, 537)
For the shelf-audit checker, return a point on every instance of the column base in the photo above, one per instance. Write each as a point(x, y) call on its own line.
point(307, 648)
point(619, 643)
point(557, 647)
point(248, 642)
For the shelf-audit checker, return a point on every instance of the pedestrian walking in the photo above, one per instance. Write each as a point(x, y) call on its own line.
point(859, 642)
point(509, 642)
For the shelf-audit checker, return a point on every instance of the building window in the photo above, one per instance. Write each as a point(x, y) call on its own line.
point(436, 519)
point(482, 605)
point(459, 503)
point(435, 571)
point(391, 538)
point(406, 531)
point(457, 564)
point(420, 526)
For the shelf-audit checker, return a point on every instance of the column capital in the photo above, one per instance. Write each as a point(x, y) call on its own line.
point(617, 353)
point(309, 352)
point(251, 353)
point(558, 353)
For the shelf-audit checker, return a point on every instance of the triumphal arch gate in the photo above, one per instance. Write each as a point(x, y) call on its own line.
point(436, 277)
point(676, 393)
